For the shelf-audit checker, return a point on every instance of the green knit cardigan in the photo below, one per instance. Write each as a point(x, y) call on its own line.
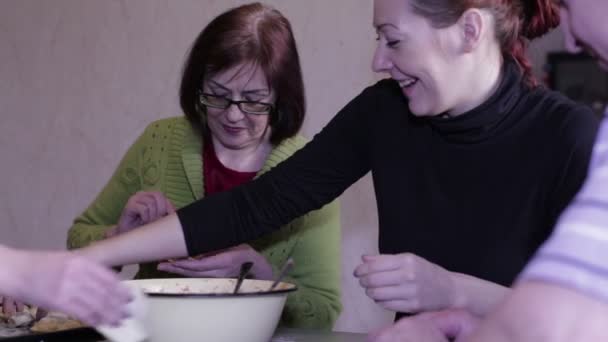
point(167, 158)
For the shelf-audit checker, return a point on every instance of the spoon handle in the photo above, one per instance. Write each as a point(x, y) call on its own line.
point(286, 267)
point(245, 267)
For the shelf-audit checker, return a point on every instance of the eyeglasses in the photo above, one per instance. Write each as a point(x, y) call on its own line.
point(221, 102)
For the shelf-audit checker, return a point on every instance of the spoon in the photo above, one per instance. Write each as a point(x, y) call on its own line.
point(286, 267)
point(245, 267)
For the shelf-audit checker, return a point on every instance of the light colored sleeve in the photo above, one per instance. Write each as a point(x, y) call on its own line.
point(576, 254)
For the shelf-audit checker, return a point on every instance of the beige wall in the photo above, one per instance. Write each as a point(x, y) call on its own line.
point(80, 79)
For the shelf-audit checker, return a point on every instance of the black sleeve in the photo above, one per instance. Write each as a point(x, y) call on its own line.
point(577, 137)
point(315, 175)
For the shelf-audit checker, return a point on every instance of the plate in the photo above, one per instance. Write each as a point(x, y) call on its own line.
point(70, 335)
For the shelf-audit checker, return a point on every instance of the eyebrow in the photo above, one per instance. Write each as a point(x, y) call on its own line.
point(383, 25)
point(261, 91)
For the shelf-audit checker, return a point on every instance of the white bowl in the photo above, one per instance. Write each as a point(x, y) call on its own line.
point(204, 309)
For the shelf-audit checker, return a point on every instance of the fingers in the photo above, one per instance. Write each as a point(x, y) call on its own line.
point(10, 306)
point(414, 329)
point(164, 207)
point(111, 282)
point(92, 294)
point(170, 207)
point(91, 309)
point(144, 207)
point(381, 279)
point(378, 263)
point(387, 293)
point(214, 262)
point(401, 305)
point(151, 205)
point(454, 323)
point(157, 205)
point(215, 273)
point(161, 205)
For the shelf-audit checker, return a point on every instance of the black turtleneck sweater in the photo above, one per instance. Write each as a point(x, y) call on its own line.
point(476, 193)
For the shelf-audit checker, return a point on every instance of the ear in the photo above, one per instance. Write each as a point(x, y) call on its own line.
point(472, 24)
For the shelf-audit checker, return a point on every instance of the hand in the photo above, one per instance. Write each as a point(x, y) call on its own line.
point(142, 208)
point(406, 283)
point(539, 311)
point(444, 326)
point(221, 264)
point(71, 284)
point(10, 305)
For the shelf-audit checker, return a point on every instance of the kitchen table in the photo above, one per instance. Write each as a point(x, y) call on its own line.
point(282, 335)
point(302, 335)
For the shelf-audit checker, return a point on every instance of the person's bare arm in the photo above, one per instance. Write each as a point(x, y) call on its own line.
point(539, 311)
point(159, 240)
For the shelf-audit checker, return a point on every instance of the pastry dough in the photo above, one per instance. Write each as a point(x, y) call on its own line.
point(55, 321)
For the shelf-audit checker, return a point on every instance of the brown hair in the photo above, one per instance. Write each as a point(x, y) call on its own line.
point(517, 22)
point(252, 33)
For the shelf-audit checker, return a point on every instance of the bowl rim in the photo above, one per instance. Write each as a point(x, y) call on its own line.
point(293, 288)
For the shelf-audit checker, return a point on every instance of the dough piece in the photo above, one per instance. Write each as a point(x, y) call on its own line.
point(55, 321)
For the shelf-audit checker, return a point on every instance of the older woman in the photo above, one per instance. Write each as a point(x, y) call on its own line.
point(472, 162)
point(243, 98)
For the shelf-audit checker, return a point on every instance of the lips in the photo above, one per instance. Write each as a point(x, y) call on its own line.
point(232, 129)
point(407, 82)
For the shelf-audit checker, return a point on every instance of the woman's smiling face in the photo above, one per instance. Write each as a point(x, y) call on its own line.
point(422, 59)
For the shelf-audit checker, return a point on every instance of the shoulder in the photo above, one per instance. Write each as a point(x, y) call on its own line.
point(168, 131)
point(168, 125)
point(559, 111)
point(384, 90)
point(382, 98)
point(565, 119)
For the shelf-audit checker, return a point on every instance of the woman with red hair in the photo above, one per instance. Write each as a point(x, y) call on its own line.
point(472, 161)
point(562, 295)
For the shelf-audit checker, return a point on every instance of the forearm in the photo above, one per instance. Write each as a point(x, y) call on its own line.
point(539, 312)
point(159, 240)
point(476, 295)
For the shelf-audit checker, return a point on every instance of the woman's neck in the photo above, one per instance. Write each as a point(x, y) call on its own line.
point(247, 159)
point(485, 84)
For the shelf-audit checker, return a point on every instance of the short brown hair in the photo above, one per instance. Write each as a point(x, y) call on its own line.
point(252, 33)
point(517, 22)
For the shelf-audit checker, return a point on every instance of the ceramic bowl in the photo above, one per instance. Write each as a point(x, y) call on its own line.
point(205, 309)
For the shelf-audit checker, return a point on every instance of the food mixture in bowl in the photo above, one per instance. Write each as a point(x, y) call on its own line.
point(210, 287)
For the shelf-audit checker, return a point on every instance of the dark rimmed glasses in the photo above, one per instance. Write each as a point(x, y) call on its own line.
point(222, 102)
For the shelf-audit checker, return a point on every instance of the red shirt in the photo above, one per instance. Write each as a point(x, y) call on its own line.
point(216, 176)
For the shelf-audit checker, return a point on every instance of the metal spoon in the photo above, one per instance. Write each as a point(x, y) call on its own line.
point(245, 267)
point(286, 267)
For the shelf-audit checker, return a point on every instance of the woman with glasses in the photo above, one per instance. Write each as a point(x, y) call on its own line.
point(243, 98)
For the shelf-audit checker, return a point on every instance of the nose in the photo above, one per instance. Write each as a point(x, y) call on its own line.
point(380, 62)
point(234, 113)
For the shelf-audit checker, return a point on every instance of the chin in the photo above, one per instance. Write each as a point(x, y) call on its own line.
point(420, 110)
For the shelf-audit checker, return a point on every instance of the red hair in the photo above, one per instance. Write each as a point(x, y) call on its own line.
point(517, 22)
